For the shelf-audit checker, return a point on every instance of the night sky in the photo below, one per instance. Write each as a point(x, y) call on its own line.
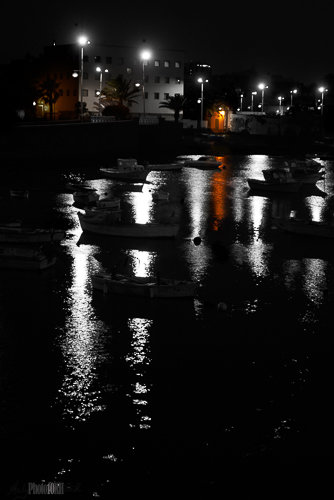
point(290, 38)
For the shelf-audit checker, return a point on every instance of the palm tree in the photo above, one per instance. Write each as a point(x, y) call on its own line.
point(118, 90)
point(48, 91)
point(176, 103)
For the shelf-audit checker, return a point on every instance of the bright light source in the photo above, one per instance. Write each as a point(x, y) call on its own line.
point(145, 55)
point(82, 40)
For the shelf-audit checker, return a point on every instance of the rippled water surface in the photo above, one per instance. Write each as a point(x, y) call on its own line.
point(103, 392)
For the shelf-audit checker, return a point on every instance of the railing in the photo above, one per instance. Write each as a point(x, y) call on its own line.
point(102, 119)
point(148, 120)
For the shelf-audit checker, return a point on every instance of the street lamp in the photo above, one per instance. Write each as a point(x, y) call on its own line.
point(280, 104)
point(201, 81)
point(293, 92)
point(241, 97)
point(253, 94)
point(262, 86)
point(322, 90)
point(145, 55)
point(82, 40)
point(100, 71)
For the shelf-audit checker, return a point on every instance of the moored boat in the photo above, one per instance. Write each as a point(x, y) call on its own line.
point(127, 170)
point(25, 258)
point(279, 185)
point(304, 227)
point(167, 166)
point(18, 234)
point(150, 287)
point(205, 161)
point(149, 230)
point(302, 174)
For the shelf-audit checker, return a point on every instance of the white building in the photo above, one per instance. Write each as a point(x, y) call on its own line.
point(163, 74)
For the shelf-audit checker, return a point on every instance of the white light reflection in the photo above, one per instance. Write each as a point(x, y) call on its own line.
point(142, 206)
point(142, 262)
point(80, 341)
point(316, 206)
point(139, 359)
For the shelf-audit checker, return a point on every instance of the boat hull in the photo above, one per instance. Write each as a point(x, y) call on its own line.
point(136, 176)
point(21, 235)
point(303, 227)
point(283, 187)
point(123, 285)
point(25, 258)
point(129, 230)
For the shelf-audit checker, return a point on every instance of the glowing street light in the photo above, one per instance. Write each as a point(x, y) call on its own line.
point(322, 90)
point(241, 97)
point(280, 104)
point(253, 94)
point(201, 81)
point(98, 69)
point(262, 86)
point(82, 40)
point(293, 92)
point(145, 55)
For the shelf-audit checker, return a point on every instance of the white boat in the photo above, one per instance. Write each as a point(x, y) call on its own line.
point(167, 166)
point(127, 170)
point(304, 227)
point(21, 257)
point(150, 287)
point(299, 173)
point(102, 215)
point(206, 161)
point(279, 185)
point(19, 193)
point(149, 230)
point(18, 234)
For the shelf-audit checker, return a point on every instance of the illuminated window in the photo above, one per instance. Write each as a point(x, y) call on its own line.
point(166, 64)
point(129, 71)
point(177, 64)
point(156, 63)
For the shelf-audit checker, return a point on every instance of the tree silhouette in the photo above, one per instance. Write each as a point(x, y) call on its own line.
point(176, 103)
point(48, 91)
point(119, 91)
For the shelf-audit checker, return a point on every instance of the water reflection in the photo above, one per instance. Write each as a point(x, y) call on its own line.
point(139, 359)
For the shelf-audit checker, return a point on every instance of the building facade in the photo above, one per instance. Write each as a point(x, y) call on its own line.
point(157, 78)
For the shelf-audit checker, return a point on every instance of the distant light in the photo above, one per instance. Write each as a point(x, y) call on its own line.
point(322, 89)
point(98, 69)
point(82, 40)
point(75, 74)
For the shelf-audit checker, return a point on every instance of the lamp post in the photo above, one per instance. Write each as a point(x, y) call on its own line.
point(82, 41)
point(145, 55)
point(100, 71)
point(293, 92)
point(280, 104)
point(241, 97)
point(201, 81)
point(253, 94)
point(322, 90)
point(262, 86)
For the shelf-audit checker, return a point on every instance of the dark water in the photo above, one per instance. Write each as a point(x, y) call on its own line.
point(110, 395)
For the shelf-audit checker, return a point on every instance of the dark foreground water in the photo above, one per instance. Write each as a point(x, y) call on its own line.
point(111, 395)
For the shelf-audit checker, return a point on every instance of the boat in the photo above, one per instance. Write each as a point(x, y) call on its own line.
point(85, 196)
point(134, 230)
point(25, 257)
point(167, 166)
point(78, 186)
point(203, 162)
point(19, 193)
point(18, 234)
point(160, 195)
point(279, 185)
point(150, 287)
point(102, 215)
point(299, 173)
point(108, 202)
point(304, 227)
point(127, 170)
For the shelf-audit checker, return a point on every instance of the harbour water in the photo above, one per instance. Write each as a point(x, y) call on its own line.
point(109, 395)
